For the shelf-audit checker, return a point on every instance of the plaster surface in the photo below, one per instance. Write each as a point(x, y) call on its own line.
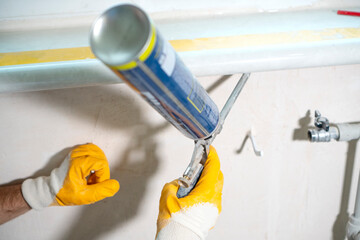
point(299, 189)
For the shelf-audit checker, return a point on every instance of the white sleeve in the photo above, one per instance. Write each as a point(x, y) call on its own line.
point(41, 191)
point(176, 231)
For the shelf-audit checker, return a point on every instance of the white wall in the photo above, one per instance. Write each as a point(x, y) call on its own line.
point(298, 190)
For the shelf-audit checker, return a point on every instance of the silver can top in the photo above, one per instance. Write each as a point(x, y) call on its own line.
point(120, 34)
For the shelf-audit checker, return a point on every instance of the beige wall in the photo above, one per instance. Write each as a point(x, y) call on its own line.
point(295, 191)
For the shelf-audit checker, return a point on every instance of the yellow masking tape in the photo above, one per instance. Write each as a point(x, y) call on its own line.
point(44, 56)
point(184, 45)
point(252, 40)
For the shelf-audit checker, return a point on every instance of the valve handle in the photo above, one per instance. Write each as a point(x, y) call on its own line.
point(321, 122)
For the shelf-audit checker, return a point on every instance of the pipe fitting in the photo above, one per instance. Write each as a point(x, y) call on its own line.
point(321, 135)
point(323, 132)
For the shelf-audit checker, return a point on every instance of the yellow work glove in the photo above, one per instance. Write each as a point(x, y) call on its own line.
point(192, 217)
point(82, 178)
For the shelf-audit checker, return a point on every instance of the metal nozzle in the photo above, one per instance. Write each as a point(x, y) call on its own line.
point(184, 182)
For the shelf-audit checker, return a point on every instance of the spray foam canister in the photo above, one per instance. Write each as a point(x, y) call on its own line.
point(126, 40)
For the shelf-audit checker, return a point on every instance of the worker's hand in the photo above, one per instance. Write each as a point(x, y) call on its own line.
point(192, 217)
point(73, 183)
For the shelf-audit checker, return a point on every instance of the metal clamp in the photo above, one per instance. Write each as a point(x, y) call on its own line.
point(257, 152)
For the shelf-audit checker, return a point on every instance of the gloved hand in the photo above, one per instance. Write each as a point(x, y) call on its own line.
point(193, 216)
point(68, 184)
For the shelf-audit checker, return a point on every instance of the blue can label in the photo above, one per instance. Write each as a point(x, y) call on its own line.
point(165, 82)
